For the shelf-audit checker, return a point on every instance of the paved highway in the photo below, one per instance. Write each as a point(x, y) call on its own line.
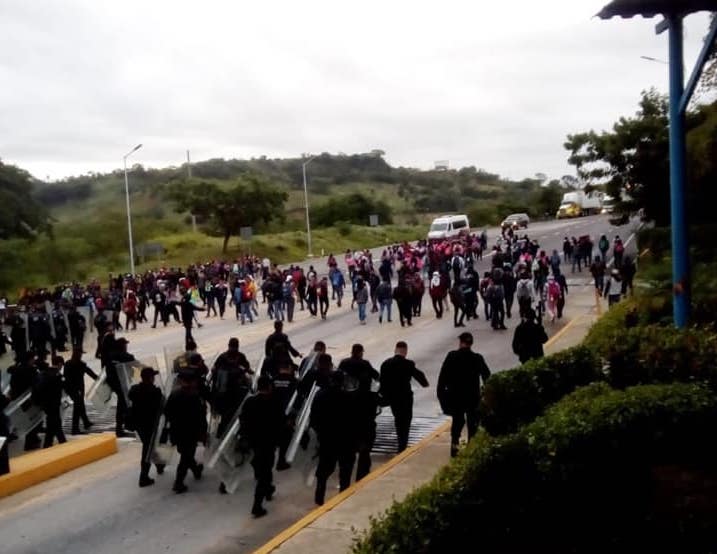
point(100, 509)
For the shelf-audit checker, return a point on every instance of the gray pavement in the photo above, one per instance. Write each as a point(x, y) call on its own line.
point(100, 509)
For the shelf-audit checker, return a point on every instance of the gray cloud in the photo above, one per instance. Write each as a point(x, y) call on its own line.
point(494, 87)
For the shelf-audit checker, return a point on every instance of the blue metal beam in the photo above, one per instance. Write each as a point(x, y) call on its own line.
point(678, 154)
point(707, 50)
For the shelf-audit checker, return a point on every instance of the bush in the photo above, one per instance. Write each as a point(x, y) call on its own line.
point(578, 479)
point(517, 396)
point(344, 228)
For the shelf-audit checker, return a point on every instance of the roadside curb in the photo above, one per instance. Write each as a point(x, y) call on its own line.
point(335, 501)
point(33, 468)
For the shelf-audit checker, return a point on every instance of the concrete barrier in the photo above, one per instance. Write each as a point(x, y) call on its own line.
point(38, 466)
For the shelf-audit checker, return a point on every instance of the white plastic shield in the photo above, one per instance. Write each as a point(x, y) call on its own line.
point(100, 394)
point(23, 415)
point(302, 424)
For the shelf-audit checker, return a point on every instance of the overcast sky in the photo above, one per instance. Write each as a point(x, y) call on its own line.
point(497, 87)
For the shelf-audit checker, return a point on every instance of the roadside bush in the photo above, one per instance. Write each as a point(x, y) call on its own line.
point(515, 397)
point(584, 477)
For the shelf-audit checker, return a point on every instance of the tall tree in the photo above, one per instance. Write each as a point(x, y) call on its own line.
point(249, 201)
point(20, 214)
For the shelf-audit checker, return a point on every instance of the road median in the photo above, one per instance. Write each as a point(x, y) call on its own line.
point(35, 467)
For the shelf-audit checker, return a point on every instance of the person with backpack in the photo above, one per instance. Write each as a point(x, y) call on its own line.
point(618, 251)
point(288, 290)
point(509, 285)
point(459, 304)
point(483, 287)
point(525, 293)
point(552, 295)
point(567, 250)
point(613, 288)
point(246, 298)
point(361, 297)
point(384, 295)
point(323, 296)
point(457, 264)
point(496, 297)
point(209, 298)
point(603, 246)
point(312, 296)
point(338, 283)
point(437, 292)
point(529, 337)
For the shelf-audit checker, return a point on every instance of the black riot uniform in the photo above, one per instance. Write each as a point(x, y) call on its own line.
point(285, 384)
point(278, 337)
point(47, 392)
point(396, 375)
point(147, 402)
point(230, 384)
point(336, 427)
point(74, 372)
point(459, 384)
point(187, 417)
point(261, 425)
point(78, 326)
point(358, 379)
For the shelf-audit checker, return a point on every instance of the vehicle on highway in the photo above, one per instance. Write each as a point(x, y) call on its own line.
point(449, 226)
point(515, 222)
point(578, 204)
point(608, 205)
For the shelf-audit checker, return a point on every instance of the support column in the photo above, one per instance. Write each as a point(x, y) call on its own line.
point(678, 150)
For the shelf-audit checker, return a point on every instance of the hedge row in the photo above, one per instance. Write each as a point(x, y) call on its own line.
point(586, 476)
point(515, 397)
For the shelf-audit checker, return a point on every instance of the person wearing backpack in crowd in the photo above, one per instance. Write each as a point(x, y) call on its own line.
point(159, 300)
point(577, 255)
point(323, 295)
point(404, 302)
point(384, 295)
point(312, 296)
point(209, 298)
point(262, 423)
point(337, 284)
point(563, 284)
point(364, 403)
point(74, 372)
point(567, 250)
point(525, 293)
point(146, 403)
point(246, 298)
point(529, 337)
point(555, 263)
point(373, 281)
point(483, 287)
point(627, 272)
point(509, 284)
point(496, 297)
point(613, 288)
point(618, 251)
point(603, 246)
point(47, 393)
point(458, 301)
point(457, 265)
point(459, 385)
point(129, 308)
point(470, 286)
point(361, 297)
point(437, 292)
point(287, 294)
point(552, 294)
point(597, 270)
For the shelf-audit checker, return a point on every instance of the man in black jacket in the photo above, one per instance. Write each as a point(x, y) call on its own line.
point(114, 353)
point(74, 372)
point(459, 385)
point(147, 402)
point(188, 308)
point(529, 338)
point(359, 378)
point(279, 337)
point(78, 326)
point(396, 375)
point(47, 392)
point(230, 383)
point(187, 419)
point(261, 424)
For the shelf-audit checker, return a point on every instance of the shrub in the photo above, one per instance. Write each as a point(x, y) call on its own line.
point(578, 479)
point(344, 228)
point(517, 396)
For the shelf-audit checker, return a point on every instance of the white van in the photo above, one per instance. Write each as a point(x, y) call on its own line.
point(449, 226)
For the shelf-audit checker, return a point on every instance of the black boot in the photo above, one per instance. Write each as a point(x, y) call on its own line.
point(320, 492)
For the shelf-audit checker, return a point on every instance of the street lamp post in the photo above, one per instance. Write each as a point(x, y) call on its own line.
point(129, 216)
point(306, 203)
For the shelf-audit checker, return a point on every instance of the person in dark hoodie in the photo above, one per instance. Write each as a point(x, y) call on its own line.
point(529, 338)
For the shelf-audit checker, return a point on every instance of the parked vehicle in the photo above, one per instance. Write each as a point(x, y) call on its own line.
point(577, 204)
point(449, 226)
point(515, 222)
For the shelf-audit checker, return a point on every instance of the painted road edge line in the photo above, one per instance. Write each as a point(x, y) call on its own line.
point(316, 513)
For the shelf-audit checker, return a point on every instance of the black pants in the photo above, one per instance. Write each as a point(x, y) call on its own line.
point(188, 336)
point(524, 305)
point(509, 305)
point(211, 307)
point(461, 416)
point(405, 313)
point(402, 409)
point(285, 439)
point(438, 307)
point(458, 315)
point(53, 427)
point(324, 306)
point(145, 435)
point(263, 463)
point(159, 313)
point(78, 339)
point(121, 406)
point(329, 456)
point(313, 308)
point(365, 445)
point(222, 302)
point(78, 409)
point(497, 312)
point(560, 304)
point(186, 451)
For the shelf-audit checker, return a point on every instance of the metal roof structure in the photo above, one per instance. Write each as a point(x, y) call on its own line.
point(651, 8)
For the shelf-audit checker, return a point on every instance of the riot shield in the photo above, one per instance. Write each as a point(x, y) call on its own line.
point(302, 424)
point(23, 415)
point(257, 373)
point(161, 450)
point(308, 365)
point(100, 394)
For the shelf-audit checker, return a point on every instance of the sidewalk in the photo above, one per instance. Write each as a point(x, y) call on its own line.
point(331, 528)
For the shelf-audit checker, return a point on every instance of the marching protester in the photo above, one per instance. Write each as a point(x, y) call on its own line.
point(613, 288)
point(188, 308)
point(361, 297)
point(262, 424)
point(146, 402)
point(384, 296)
point(396, 375)
point(529, 337)
point(459, 384)
point(74, 372)
point(186, 414)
